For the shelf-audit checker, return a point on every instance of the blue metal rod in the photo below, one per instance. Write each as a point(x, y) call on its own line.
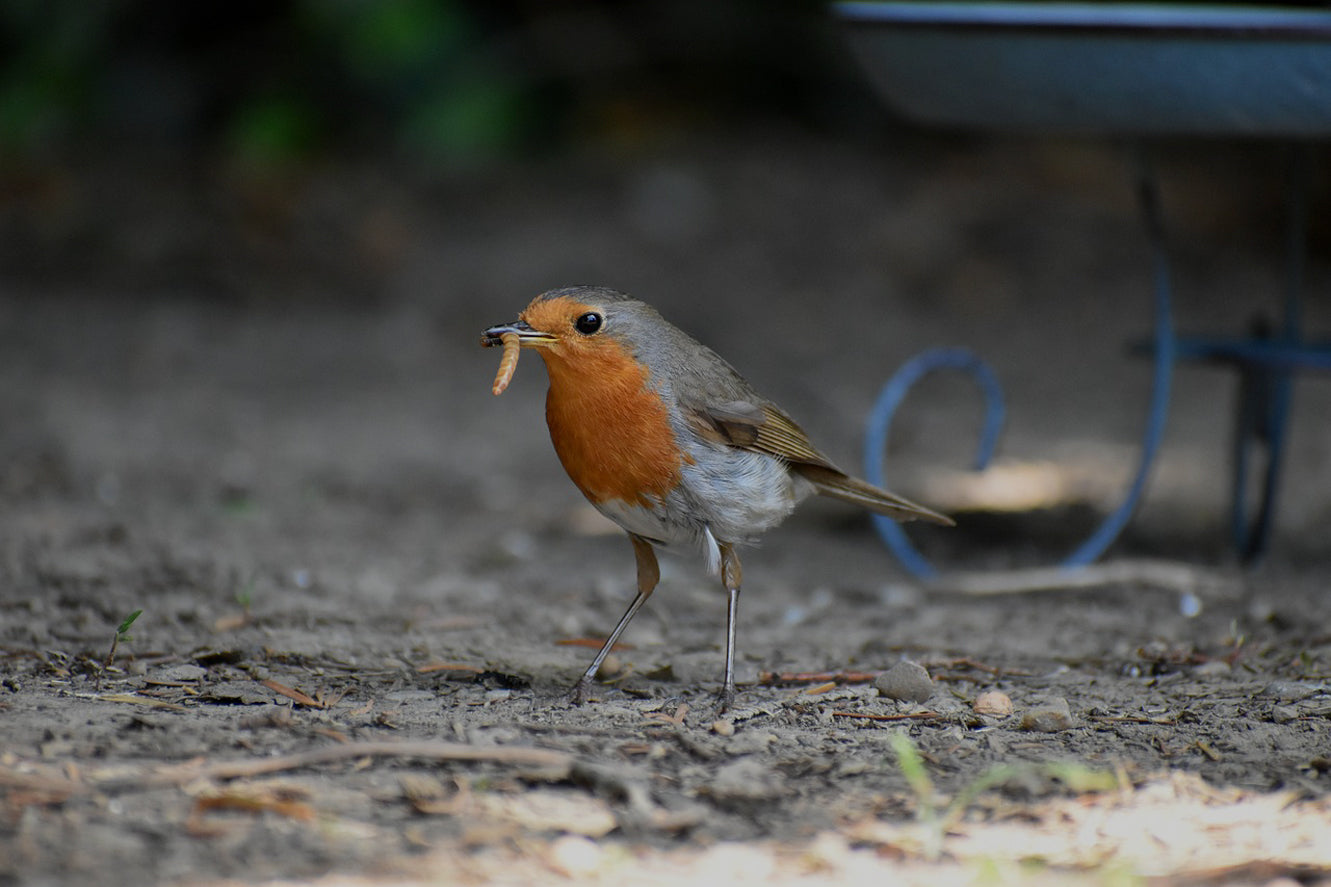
point(897, 387)
point(1253, 352)
point(880, 420)
point(1162, 377)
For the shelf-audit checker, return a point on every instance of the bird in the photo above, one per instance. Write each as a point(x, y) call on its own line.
point(670, 442)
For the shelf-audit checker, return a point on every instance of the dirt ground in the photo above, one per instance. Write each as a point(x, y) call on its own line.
point(257, 412)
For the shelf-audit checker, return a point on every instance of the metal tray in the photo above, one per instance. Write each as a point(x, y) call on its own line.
point(1099, 68)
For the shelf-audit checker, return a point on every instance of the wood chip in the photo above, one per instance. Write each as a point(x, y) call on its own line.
point(431, 667)
point(139, 700)
point(294, 695)
point(902, 716)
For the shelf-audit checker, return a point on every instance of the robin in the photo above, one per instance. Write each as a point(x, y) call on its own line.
point(671, 443)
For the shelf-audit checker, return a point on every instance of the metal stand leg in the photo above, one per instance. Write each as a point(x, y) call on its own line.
point(1266, 359)
point(1158, 412)
point(1266, 387)
point(894, 392)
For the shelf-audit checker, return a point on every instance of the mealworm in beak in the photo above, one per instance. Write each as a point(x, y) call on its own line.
point(508, 362)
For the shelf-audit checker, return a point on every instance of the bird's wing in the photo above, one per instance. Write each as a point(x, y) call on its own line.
point(763, 428)
point(759, 427)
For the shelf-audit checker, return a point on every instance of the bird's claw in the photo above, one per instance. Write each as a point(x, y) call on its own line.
point(725, 700)
point(580, 692)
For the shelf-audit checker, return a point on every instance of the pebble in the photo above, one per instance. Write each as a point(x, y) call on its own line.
point(746, 779)
point(183, 672)
point(574, 856)
point(905, 682)
point(735, 863)
point(1283, 714)
point(994, 703)
point(1293, 691)
point(611, 667)
point(1049, 717)
point(1211, 668)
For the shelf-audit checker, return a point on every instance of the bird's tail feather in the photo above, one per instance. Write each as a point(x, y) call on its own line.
point(831, 482)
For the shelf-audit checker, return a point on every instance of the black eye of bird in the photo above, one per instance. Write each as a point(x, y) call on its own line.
point(588, 323)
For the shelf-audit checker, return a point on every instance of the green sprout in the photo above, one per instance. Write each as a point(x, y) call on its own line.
point(245, 597)
point(121, 636)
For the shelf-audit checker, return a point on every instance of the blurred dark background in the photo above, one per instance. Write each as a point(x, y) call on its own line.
point(437, 82)
point(230, 109)
point(154, 144)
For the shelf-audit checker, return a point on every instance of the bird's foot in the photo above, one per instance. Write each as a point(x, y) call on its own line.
point(581, 691)
point(725, 700)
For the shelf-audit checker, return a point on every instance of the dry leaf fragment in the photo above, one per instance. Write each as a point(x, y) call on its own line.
point(256, 799)
point(431, 667)
point(294, 695)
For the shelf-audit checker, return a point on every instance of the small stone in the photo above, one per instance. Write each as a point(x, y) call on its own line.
point(183, 673)
point(1283, 714)
point(1293, 691)
point(1050, 717)
point(723, 727)
point(994, 703)
point(746, 780)
point(828, 853)
point(1211, 668)
point(735, 863)
point(611, 667)
point(574, 856)
point(906, 682)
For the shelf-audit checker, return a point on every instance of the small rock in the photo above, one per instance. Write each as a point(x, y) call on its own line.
point(403, 697)
point(183, 672)
point(905, 682)
point(1212, 668)
point(574, 856)
point(751, 742)
point(1283, 714)
point(611, 667)
point(994, 703)
point(1293, 691)
point(723, 727)
point(1049, 717)
point(237, 693)
point(828, 853)
point(735, 863)
point(746, 780)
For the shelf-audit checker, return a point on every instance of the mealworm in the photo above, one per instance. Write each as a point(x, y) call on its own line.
point(508, 362)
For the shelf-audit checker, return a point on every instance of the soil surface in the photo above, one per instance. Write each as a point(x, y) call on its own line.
point(257, 412)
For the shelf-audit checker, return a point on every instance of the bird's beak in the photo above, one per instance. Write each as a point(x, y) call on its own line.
point(527, 337)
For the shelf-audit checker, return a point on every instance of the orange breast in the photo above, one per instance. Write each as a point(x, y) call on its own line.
point(612, 434)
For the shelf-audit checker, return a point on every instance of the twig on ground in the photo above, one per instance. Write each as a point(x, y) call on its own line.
point(901, 716)
point(1168, 575)
point(294, 695)
point(558, 764)
point(817, 677)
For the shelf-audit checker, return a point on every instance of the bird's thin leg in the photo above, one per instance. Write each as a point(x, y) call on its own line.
point(730, 575)
point(649, 573)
